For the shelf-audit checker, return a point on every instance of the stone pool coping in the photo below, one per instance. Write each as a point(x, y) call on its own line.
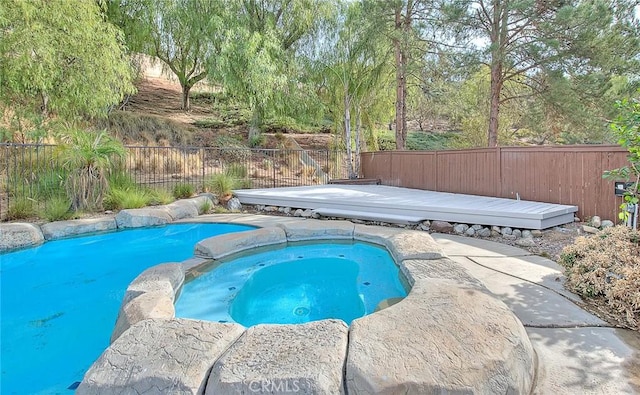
point(16, 235)
point(448, 335)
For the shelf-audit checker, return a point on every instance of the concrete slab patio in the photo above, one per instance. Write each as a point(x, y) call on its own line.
point(577, 352)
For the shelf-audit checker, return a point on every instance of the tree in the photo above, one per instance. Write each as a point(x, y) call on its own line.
point(259, 62)
point(59, 57)
point(355, 65)
point(528, 41)
point(183, 34)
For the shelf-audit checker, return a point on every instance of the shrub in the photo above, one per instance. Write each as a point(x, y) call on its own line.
point(118, 199)
point(607, 265)
point(160, 196)
point(183, 191)
point(57, 208)
point(236, 170)
point(221, 184)
point(21, 208)
point(205, 207)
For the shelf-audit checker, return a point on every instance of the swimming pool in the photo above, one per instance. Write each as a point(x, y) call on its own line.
point(294, 284)
point(59, 301)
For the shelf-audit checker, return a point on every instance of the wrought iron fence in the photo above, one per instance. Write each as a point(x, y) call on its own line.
point(32, 174)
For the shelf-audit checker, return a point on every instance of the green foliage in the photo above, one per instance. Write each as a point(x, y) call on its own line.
point(221, 184)
point(21, 208)
point(120, 179)
point(160, 196)
point(118, 199)
point(87, 156)
point(205, 207)
point(256, 141)
point(627, 128)
point(183, 191)
point(607, 266)
point(57, 208)
point(419, 141)
point(62, 57)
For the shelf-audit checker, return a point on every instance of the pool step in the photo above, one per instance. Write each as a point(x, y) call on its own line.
point(369, 216)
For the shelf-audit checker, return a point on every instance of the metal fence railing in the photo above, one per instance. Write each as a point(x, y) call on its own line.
point(31, 174)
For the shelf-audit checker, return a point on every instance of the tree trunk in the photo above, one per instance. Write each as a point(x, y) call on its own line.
point(402, 26)
point(254, 126)
point(494, 109)
point(358, 144)
point(347, 133)
point(186, 105)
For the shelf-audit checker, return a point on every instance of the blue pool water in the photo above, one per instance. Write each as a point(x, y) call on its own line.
point(59, 301)
point(295, 284)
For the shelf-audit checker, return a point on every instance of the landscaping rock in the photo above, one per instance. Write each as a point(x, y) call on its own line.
point(477, 227)
point(61, 229)
point(607, 224)
point(220, 246)
point(307, 213)
point(484, 232)
point(506, 231)
point(271, 209)
point(509, 237)
point(441, 227)
point(536, 233)
point(596, 222)
point(298, 213)
point(181, 209)
point(401, 349)
point(526, 234)
point(470, 232)
point(590, 229)
point(18, 235)
point(161, 357)
point(234, 204)
point(526, 242)
point(306, 358)
point(460, 228)
point(517, 233)
point(319, 230)
point(141, 217)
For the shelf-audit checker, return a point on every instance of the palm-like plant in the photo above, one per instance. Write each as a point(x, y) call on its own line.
point(88, 156)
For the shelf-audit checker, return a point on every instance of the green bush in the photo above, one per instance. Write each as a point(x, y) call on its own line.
point(221, 184)
point(205, 207)
point(183, 191)
point(236, 170)
point(607, 266)
point(118, 199)
point(160, 196)
point(21, 208)
point(57, 209)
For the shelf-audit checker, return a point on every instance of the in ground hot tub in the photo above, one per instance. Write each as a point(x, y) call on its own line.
point(295, 284)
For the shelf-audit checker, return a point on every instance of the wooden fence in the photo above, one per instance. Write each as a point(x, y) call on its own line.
point(554, 174)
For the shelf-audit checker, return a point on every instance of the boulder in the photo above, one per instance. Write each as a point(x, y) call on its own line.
point(441, 227)
point(18, 235)
point(234, 204)
point(506, 231)
point(526, 234)
point(470, 232)
point(161, 357)
point(484, 232)
point(298, 213)
point(526, 242)
point(74, 227)
point(477, 227)
point(318, 230)
point(306, 358)
point(181, 209)
point(536, 233)
point(596, 221)
point(517, 233)
point(440, 339)
point(220, 246)
point(590, 229)
point(607, 224)
point(460, 228)
point(413, 244)
point(141, 217)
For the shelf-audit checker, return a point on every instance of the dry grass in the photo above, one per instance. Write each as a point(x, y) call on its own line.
point(136, 128)
point(164, 160)
point(607, 265)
